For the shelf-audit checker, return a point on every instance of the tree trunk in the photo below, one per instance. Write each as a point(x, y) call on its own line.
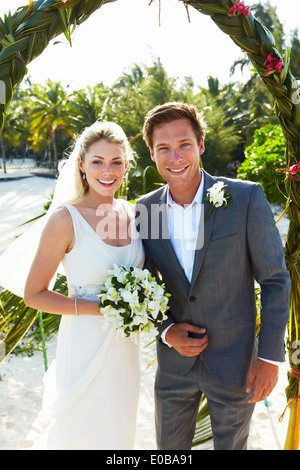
point(49, 148)
point(3, 150)
point(55, 151)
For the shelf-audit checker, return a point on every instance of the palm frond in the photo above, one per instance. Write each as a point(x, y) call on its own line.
point(17, 320)
point(203, 431)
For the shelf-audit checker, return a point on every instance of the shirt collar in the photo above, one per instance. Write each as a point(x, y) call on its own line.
point(198, 196)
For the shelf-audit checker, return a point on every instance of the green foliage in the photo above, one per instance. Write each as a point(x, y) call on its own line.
point(57, 115)
point(263, 157)
point(26, 350)
point(222, 138)
point(18, 320)
point(203, 430)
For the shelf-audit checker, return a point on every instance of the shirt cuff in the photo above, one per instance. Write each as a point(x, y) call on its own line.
point(163, 336)
point(275, 363)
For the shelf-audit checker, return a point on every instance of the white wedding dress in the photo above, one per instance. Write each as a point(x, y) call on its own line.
point(92, 388)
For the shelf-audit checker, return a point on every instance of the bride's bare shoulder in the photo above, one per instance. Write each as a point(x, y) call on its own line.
point(60, 220)
point(58, 233)
point(61, 215)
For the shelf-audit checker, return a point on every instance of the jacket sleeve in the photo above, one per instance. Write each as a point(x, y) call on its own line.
point(266, 253)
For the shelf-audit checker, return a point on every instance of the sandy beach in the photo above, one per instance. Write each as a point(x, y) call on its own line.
point(21, 378)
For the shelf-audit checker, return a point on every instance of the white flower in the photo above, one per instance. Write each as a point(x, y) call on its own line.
point(217, 196)
point(147, 287)
point(122, 277)
point(112, 294)
point(115, 271)
point(131, 297)
point(154, 307)
point(158, 291)
point(140, 274)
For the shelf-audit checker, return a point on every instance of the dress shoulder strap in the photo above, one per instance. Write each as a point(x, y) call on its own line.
point(72, 210)
point(76, 219)
point(129, 208)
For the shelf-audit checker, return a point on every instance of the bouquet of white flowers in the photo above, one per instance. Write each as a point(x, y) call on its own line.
point(133, 300)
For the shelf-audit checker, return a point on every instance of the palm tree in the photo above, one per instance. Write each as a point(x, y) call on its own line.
point(15, 133)
point(159, 87)
point(49, 114)
point(87, 105)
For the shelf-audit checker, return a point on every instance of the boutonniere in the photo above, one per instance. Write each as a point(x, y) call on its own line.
point(217, 196)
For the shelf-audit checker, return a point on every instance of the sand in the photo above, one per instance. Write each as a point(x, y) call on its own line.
point(22, 421)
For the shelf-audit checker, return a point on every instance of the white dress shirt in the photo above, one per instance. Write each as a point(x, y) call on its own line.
point(183, 224)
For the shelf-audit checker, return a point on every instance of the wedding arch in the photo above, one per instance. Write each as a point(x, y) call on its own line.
point(25, 34)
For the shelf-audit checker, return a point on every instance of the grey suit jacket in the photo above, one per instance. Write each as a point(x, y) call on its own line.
point(241, 244)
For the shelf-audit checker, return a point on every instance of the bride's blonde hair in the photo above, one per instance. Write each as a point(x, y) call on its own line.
point(108, 131)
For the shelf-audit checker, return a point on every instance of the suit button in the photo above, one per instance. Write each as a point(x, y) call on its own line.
point(192, 298)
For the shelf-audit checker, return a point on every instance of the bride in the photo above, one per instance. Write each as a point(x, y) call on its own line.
point(94, 383)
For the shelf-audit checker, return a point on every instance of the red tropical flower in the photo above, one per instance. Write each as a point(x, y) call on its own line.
point(295, 168)
point(240, 7)
point(273, 63)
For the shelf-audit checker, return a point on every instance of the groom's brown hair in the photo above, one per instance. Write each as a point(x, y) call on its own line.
point(169, 112)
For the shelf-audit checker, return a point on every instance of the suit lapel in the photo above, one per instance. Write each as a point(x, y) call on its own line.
point(208, 227)
point(166, 243)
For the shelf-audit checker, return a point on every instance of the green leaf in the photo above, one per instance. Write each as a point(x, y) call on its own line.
point(249, 25)
point(203, 431)
point(229, 25)
point(8, 52)
point(286, 65)
point(211, 9)
point(16, 319)
point(248, 45)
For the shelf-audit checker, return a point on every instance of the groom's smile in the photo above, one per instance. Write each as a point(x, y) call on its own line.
point(177, 170)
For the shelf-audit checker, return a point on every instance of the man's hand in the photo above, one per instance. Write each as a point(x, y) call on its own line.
point(263, 376)
point(178, 336)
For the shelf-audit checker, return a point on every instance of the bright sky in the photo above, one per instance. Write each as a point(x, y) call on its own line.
point(127, 31)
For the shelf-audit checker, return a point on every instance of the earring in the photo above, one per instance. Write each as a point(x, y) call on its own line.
point(83, 176)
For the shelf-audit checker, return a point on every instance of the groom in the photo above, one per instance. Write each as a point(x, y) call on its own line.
point(209, 258)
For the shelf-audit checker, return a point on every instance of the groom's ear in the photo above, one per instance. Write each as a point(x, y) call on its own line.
point(201, 146)
point(152, 155)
